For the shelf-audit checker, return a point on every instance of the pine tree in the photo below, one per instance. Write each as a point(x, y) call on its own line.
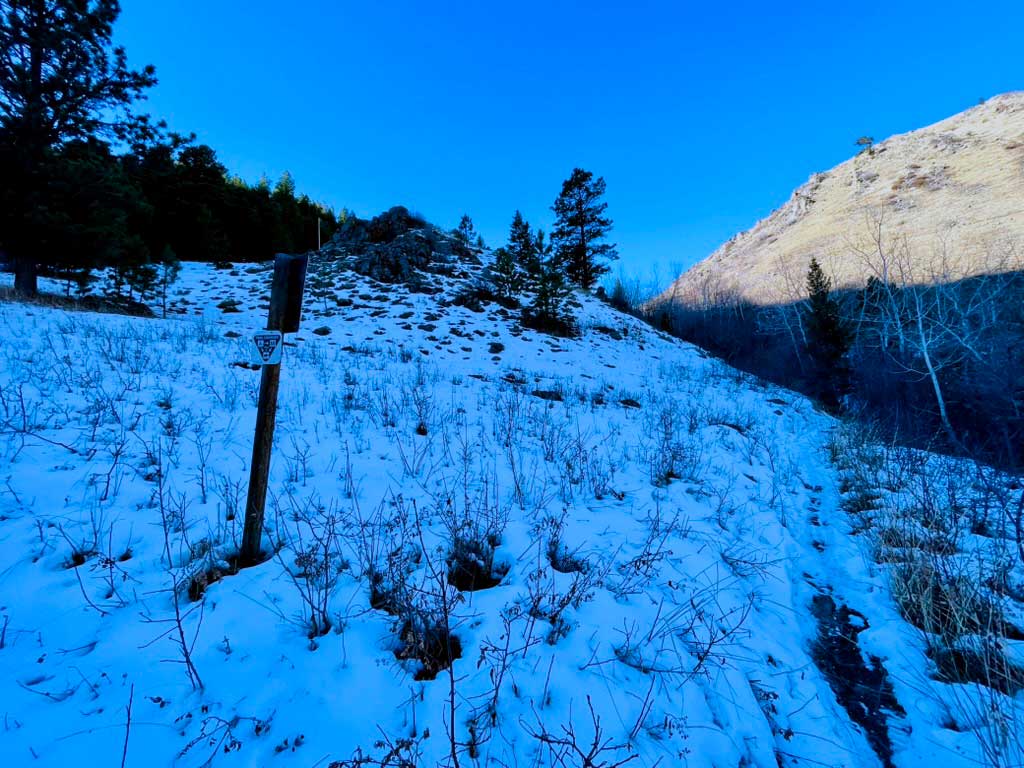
point(138, 272)
point(580, 225)
point(465, 233)
point(92, 208)
point(522, 246)
point(285, 187)
point(828, 338)
point(60, 81)
point(505, 275)
point(620, 298)
point(195, 204)
point(548, 312)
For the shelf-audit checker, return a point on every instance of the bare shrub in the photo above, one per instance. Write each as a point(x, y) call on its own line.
point(567, 749)
point(311, 556)
point(672, 453)
point(474, 530)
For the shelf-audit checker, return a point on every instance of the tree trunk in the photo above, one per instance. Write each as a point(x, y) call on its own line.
point(25, 272)
point(25, 277)
point(933, 377)
point(792, 337)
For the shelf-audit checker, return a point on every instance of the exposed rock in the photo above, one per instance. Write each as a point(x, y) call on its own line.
point(400, 247)
point(548, 394)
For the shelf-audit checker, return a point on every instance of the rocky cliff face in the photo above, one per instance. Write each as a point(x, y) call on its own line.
point(949, 198)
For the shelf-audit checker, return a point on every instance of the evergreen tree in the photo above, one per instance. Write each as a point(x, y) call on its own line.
point(465, 233)
point(620, 298)
point(505, 275)
point(60, 81)
point(285, 187)
point(137, 272)
point(828, 338)
point(154, 171)
point(548, 311)
point(288, 216)
point(195, 202)
point(866, 144)
point(523, 248)
point(92, 206)
point(580, 226)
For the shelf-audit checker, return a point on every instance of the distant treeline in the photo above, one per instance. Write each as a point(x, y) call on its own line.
point(937, 365)
point(159, 203)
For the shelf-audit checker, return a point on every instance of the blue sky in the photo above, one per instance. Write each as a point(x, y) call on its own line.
point(701, 117)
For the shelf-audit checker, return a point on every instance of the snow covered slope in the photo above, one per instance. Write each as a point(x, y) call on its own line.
point(634, 553)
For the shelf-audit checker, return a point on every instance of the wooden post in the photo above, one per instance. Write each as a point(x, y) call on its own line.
point(285, 310)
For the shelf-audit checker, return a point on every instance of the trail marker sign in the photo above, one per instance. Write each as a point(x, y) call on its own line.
point(268, 346)
point(283, 317)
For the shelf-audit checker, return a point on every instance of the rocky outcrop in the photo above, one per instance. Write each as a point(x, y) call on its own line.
point(400, 247)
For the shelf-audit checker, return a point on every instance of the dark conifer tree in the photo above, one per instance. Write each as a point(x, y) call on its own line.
point(505, 274)
point(580, 226)
point(548, 311)
point(523, 248)
point(92, 210)
point(197, 207)
point(828, 338)
point(61, 80)
point(466, 233)
point(620, 298)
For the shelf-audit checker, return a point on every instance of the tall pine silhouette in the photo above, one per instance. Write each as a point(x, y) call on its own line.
point(523, 248)
point(61, 82)
point(828, 338)
point(580, 227)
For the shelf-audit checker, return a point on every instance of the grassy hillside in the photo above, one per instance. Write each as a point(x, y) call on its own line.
point(953, 190)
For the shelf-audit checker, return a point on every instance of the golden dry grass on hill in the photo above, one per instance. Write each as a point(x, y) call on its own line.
point(949, 197)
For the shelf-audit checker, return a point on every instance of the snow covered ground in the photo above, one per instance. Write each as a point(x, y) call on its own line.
point(658, 545)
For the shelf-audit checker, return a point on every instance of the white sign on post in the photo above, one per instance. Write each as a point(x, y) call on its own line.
point(268, 347)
